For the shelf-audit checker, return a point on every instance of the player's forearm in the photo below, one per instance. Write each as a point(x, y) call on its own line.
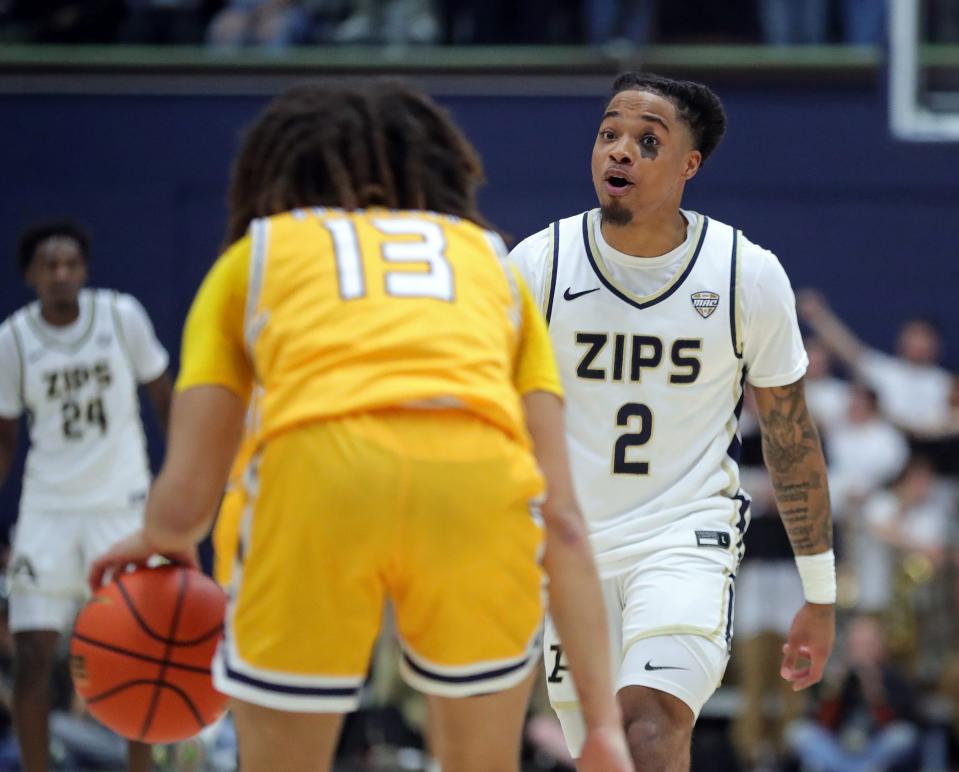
point(793, 454)
point(576, 602)
point(803, 501)
point(205, 427)
point(576, 606)
point(179, 513)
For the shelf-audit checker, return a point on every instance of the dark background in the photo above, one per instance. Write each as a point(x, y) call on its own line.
point(808, 171)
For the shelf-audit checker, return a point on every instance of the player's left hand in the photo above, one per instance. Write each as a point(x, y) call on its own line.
point(809, 645)
point(136, 549)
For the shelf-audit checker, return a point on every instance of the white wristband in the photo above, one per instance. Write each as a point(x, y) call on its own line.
point(818, 576)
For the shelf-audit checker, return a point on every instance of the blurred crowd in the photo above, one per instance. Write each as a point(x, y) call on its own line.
point(890, 428)
point(277, 24)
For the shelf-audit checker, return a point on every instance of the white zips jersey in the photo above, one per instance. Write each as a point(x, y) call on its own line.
point(87, 448)
point(654, 389)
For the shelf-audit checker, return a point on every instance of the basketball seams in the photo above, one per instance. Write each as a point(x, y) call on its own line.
point(184, 581)
point(149, 682)
point(155, 635)
point(139, 656)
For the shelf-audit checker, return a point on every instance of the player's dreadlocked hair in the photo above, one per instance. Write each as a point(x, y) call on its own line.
point(381, 143)
point(696, 105)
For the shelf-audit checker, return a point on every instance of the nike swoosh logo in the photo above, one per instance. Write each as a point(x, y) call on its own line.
point(573, 295)
point(651, 666)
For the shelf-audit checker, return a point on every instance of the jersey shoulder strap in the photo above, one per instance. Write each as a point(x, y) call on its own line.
point(553, 258)
point(564, 235)
point(110, 299)
point(735, 294)
point(724, 246)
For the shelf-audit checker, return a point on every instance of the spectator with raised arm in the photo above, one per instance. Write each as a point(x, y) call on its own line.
point(913, 388)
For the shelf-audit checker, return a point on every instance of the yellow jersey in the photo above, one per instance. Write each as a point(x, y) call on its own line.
point(330, 313)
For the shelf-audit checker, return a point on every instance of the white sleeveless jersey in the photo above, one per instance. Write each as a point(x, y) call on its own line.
point(654, 389)
point(87, 448)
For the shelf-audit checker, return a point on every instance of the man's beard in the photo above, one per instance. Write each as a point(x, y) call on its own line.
point(615, 214)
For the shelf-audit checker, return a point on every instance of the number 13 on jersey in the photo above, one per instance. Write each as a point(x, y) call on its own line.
point(436, 282)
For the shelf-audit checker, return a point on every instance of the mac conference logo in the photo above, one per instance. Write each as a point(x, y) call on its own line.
point(705, 303)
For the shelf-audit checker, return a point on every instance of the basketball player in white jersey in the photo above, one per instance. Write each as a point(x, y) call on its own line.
point(660, 317)
point(71, 362)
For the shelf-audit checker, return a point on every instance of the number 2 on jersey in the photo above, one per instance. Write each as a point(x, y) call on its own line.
point(437, 282)
point(626, 417)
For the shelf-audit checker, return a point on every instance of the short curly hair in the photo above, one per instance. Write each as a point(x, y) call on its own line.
point(35, 234)
point(696, 105)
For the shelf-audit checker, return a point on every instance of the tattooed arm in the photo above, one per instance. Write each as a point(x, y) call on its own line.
point(793, 455)
point(794, 458)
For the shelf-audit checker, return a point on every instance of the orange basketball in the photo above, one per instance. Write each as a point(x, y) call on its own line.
point(141, 651)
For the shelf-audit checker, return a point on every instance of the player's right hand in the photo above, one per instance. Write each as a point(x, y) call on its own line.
point(134, 549)
point(809, 645)
point(605, 750)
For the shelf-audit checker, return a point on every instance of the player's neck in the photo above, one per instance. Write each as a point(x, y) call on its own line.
point(646, 237)
point(60, 314)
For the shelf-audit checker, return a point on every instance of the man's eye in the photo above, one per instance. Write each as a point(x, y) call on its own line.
point(650, 139)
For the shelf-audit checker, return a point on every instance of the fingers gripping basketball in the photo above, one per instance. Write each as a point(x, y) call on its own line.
point(141, 650)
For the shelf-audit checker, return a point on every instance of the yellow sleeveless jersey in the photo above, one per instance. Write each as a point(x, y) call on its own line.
point(333, 313)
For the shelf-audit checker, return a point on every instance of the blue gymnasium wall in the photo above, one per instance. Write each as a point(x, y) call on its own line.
point(809, 173)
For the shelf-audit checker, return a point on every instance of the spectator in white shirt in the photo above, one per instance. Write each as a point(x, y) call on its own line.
point(913, 389)
point(865, 452)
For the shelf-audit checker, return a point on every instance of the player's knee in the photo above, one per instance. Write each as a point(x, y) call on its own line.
point(658, 738)
point(653, 736)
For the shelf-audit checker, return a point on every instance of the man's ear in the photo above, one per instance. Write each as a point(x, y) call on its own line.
point(694, 160)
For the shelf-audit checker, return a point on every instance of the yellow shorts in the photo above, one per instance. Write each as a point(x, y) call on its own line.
point(433, 510)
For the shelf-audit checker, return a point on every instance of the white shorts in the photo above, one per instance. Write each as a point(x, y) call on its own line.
point(687, 661)
point(50, 557)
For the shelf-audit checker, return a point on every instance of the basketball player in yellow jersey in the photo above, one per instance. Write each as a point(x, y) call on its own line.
point(409, 410)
